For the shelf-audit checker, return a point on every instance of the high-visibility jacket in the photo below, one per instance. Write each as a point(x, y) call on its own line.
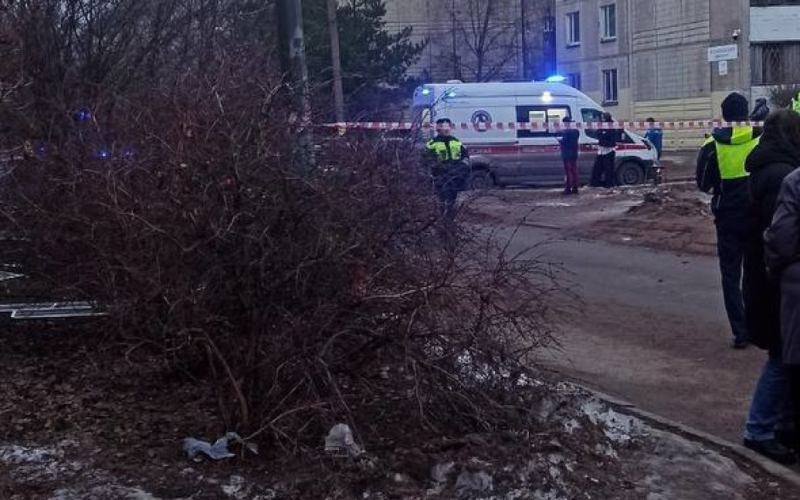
point(450, 162)
point(447, 149)
point(796, 103)
point(721, 167)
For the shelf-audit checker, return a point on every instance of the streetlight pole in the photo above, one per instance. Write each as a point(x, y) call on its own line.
point(293, 59)
point(456, 69)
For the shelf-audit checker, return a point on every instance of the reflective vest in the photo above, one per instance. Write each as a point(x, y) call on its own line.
point(731, 157)
point(796, 104)
point(443, 154)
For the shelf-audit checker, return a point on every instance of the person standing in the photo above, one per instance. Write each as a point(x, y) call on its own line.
point(450, 166)
point(760, 112)
point(721, 171)
point(569, 155)
point(769, 420)
point(656, 136)
point(782, 249)
point(604, 170)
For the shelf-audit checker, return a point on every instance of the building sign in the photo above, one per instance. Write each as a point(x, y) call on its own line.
point(723, 68)
point(723, 53)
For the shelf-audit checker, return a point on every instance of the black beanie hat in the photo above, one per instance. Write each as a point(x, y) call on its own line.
point(735, 107)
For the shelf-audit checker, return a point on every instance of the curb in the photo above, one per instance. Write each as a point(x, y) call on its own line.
point(764, 463)
point(770, 467)
point(678, 180)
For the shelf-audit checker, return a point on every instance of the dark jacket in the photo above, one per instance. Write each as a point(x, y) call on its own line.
point(760, 112)
point(569, 144)
point(730, 196)
point(608, 138)
point(768, 165)
point(783, 258)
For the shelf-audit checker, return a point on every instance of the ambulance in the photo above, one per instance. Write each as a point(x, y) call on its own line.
point(504, 157)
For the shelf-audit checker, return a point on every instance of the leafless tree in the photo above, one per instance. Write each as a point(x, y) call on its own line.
point(85, 48)
point(782, 95)
point(487, 38)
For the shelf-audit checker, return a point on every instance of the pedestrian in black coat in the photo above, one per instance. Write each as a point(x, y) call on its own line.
point(604, 172)
point(760, 112)
point(775, 157)
point(569, 143)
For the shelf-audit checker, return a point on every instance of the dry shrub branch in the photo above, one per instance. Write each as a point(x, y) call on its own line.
point(304, 298)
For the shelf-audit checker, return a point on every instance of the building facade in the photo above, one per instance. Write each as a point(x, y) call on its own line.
point(677, 59)
point(479, 40)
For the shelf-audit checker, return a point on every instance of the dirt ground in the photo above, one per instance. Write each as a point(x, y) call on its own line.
point(673, 217)
point(651, 329)
point(82, 423)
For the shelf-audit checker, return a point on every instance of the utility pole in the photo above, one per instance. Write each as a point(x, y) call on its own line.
point(456, 68)
point(336, 62)
point(526, 69)
point(293, 59)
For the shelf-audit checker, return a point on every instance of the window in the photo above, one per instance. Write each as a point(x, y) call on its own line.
point(770, 3)
point(573, 29)
point(608, 22)
point(591, 115)
point(549, 24)
point(775, 63)
point(610, 94)
point(574, 80)
point(540, 114)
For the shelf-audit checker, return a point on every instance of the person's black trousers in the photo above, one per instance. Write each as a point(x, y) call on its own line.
point(447, 194)
point(604, 171)
point(732, 233)
point(610, 169)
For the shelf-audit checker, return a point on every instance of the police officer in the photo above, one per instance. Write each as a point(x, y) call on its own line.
point(450, 166)
point(721, 170)
point(796, 103)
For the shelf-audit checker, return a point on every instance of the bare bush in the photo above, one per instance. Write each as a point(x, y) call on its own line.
point(782, 95)
point(304, 297)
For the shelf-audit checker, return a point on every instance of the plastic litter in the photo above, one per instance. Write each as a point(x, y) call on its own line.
point(340, 442)
point(469, 482)
point(440, 472)
point(217, 451)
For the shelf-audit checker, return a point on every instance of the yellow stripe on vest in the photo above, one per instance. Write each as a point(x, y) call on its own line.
point(442, 154)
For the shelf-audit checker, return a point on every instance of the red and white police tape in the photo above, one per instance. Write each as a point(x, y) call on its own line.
point(512, 126)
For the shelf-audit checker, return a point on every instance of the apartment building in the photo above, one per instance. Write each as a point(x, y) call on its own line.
point(479, 40)
point(677, 59)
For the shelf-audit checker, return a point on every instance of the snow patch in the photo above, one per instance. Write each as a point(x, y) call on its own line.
point(617, 427)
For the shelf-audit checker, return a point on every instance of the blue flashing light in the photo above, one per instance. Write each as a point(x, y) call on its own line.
point(451, 95)
point(103, 153)
point(426, 91)
point(128, 152)
point(556, 79)
point(83, 115)
point(40, 151)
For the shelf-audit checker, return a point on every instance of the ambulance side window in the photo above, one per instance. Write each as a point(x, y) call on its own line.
point(540, 114)
point(591, 115)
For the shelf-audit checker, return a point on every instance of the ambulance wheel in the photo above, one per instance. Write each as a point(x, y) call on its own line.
point(480, 180)
point(630, 174)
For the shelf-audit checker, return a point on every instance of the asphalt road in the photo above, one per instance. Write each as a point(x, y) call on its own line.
point(651, 330)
